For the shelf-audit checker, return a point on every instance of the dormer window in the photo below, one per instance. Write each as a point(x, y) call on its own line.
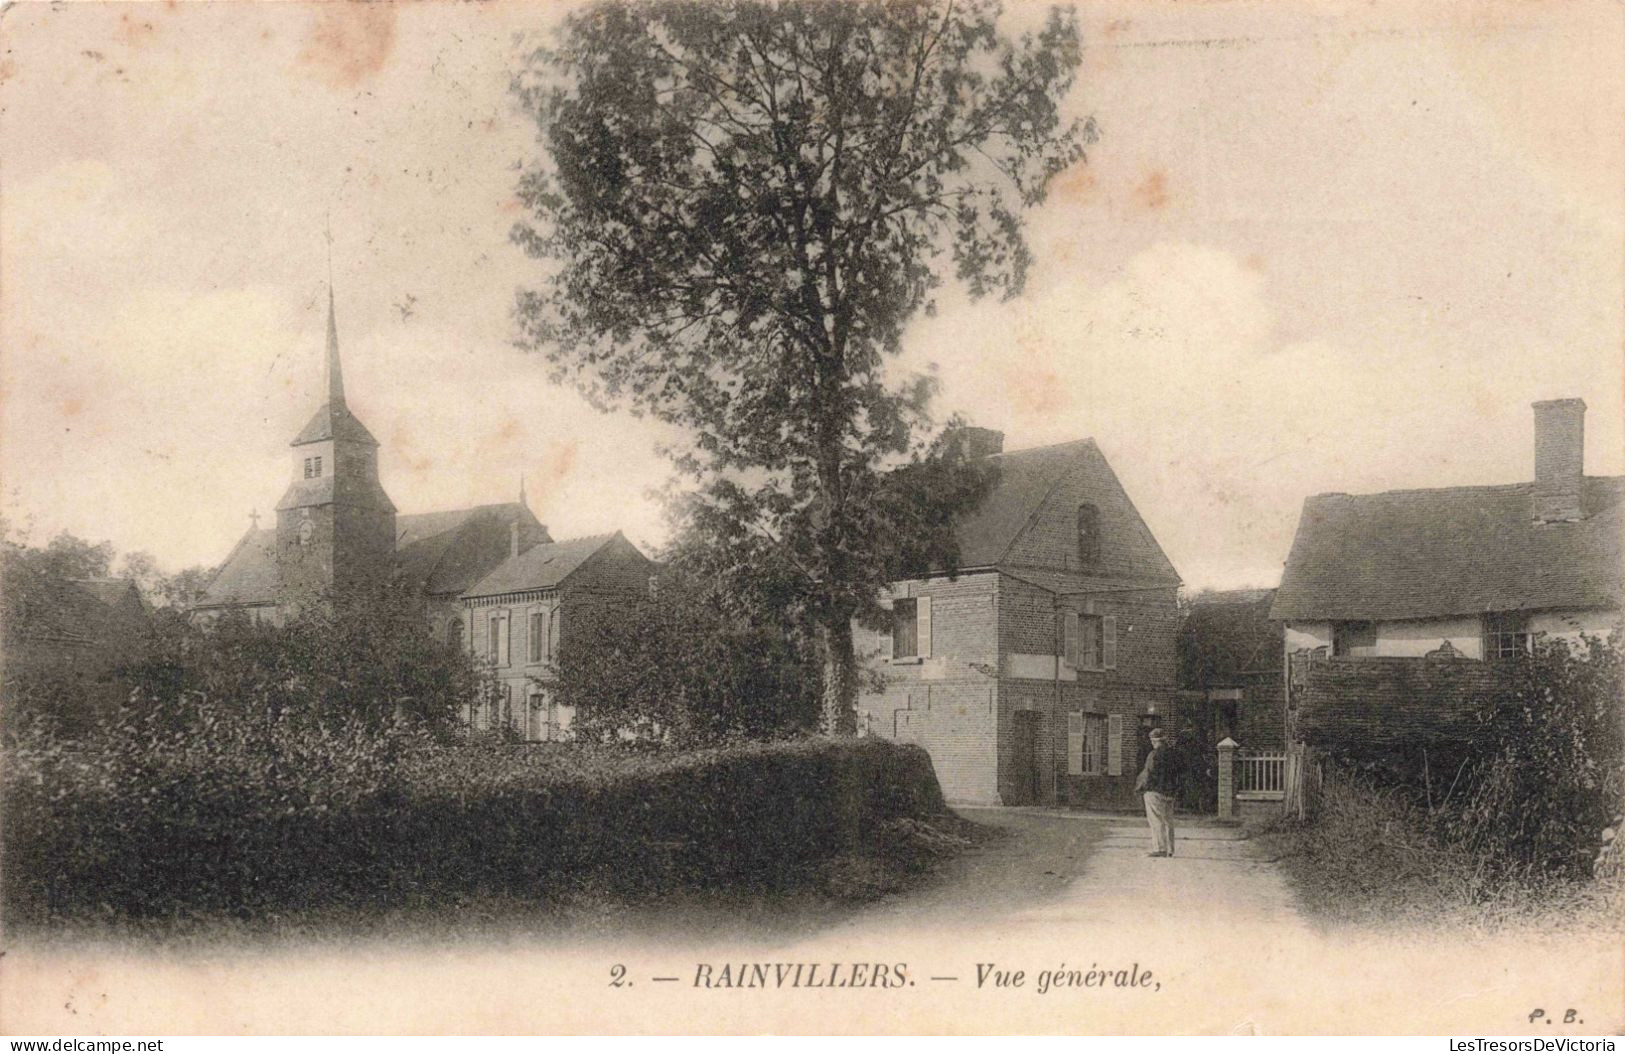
point(1088, 536)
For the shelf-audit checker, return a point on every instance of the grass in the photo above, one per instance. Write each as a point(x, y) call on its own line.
point(1369, 860)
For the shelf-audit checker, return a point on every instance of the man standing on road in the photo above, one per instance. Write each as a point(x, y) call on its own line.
point(1157, 782)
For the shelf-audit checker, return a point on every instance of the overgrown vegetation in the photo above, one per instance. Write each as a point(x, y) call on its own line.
point(1507, 830)
point(246, 817)
point(685, 668)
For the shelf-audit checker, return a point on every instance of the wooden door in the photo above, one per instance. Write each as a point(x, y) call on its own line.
point(1026, 772)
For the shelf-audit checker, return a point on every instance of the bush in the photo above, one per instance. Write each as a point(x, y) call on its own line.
point(677, 668)
point(1552, 780)
point(250, 817)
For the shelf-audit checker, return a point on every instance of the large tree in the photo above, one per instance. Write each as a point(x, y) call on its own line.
point(743, 204)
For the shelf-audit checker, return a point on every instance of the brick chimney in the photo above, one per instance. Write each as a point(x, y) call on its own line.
point(1559, 460)
point(978, 442)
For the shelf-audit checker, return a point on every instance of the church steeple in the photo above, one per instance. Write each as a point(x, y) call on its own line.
point(334, 420)
point(335, 375)
point(335, 524)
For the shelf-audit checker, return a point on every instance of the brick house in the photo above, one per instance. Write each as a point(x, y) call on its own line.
point(1035, 672)
point(520, 613)
point(1395, 601)
point(1230, 686)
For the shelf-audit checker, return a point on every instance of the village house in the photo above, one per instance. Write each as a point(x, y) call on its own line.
point(72, 627)
point(1230, 689)
point(519, 615)
point(338, 532)
point(1035, 670)
point(1397, 606)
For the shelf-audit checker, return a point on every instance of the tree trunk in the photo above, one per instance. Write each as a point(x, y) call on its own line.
point(839, 713)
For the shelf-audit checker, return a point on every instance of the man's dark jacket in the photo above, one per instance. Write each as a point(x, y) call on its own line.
point(1158, 774)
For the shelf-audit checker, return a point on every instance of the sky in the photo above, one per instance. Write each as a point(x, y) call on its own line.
point(1327, 248)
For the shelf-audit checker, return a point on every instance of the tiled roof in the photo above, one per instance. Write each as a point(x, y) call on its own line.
point(1029, 483)
point(1025, 479)
point(334, 422)
point(443, 553)
point(110, 591)
point(541, 566)
point(249, 574)
point(1452, 551)
point(1231, 597)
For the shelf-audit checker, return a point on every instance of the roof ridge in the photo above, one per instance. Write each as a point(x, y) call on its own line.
point(1450, 489)
point(1047, 446)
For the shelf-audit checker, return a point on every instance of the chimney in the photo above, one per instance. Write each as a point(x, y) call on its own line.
point(1559, 460)
point(978, 442)
point(513, 539)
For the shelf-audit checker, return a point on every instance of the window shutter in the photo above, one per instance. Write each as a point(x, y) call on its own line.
point(505, 640)
point(922, 614)
point(555, 626)
point(1069, 638)
point(883, 636)
point(1108, 642)
point(493, 623)
point(1074, 743)
point(1114, 744)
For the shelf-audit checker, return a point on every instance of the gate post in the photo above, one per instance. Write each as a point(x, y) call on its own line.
point(1227, 778)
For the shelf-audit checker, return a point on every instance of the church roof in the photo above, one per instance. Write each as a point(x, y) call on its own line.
point(443, 553)
point(348, 489)
point(439, 553)
point(249, 574)
point(541, 566)
point(334, 422)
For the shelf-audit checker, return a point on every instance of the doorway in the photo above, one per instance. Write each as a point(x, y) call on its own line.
point(1026, 776)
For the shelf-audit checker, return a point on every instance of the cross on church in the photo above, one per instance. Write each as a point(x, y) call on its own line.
point(254, 517)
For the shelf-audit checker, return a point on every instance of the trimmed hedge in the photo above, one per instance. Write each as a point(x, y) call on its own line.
point(244, 819)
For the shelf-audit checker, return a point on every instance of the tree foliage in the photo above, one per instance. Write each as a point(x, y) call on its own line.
point(369, 657)
point(683, 668)
point(1554, 776)
point(743, 205)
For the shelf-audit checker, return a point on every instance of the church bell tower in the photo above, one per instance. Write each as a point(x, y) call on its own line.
point(335, 526)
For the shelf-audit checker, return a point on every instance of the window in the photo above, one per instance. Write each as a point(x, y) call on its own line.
point(1353, 638)
point(499, 639)
point(911, 628)
point(307, 467)
point(1089, 642)
point(313, 467)
point(905, 622)
point(318, 461)
point(454, 632)
point(1086, 744)
point(538, 636)
point(1088, 536)
point(1506, 635)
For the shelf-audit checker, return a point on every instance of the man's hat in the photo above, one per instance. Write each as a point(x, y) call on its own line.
point(1157, 733)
